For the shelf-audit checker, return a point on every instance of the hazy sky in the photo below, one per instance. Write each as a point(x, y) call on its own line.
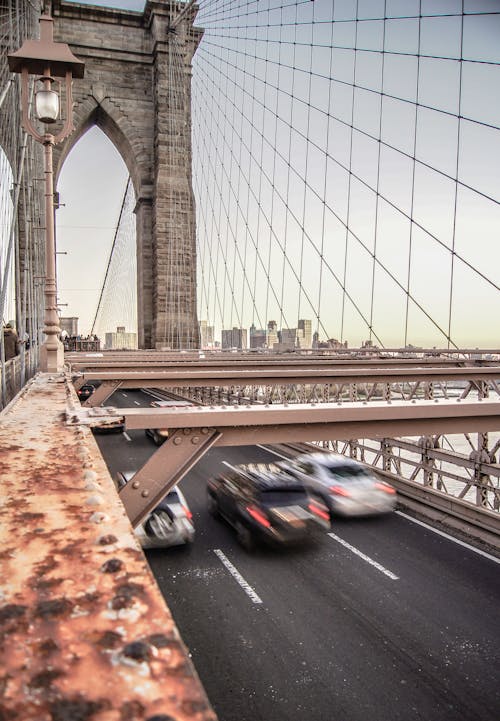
point(282, 216)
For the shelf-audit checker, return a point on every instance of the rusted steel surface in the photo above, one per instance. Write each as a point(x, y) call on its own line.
point(85, 633)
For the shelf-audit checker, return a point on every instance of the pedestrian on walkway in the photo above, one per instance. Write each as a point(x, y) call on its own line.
point(10, 341)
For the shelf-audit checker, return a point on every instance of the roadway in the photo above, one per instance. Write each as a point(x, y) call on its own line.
point(382, 620)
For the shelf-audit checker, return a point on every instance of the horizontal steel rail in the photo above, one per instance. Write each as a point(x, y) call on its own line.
point(244, 355)
point(249, 380)
point(140, 360)
point(287, 375)
point(314, 421)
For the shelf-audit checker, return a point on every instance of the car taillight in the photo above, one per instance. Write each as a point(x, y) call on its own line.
point(385, 487)
point(187, 512)
point(258, 516)
point(320, 511)
point(339, 491)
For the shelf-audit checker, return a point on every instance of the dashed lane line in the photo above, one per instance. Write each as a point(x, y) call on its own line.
point(237, 576)
point(127, 436)
point(369, 560)
point(450, 538)
point(414, 520)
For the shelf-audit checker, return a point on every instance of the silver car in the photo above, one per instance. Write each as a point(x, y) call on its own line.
point(347, 487)
point(170, 524)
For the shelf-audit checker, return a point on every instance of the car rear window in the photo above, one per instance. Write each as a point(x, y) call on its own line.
point(348, 471)
point(283, 496)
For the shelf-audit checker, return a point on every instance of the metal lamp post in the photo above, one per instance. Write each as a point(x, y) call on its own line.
point(48, 60)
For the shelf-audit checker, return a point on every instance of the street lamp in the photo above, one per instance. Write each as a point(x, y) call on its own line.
point(47, 60)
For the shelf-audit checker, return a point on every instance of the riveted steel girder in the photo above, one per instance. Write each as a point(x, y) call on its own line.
point(241, 425)
point(165, 469)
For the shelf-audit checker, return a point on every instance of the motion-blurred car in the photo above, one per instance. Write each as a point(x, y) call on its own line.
point(170, 524)
point(347, 487)
point(263, 503)
point(157, 435)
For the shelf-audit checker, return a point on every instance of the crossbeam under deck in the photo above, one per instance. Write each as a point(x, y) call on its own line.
point(207, 377)
point(194, 429)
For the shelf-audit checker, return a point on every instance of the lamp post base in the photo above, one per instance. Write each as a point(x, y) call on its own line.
point(52, 358)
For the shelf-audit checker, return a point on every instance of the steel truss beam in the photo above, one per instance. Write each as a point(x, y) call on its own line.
point(193, 430)
point(164, 469)
point(372, 379)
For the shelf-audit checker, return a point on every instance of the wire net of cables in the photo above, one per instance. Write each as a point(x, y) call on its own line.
point(117, 304)
point(345, 167)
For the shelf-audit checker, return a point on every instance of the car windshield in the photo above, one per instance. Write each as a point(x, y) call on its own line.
point(283, 496)
point(348, 472)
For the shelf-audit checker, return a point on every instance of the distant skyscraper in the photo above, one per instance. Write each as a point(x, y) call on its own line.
point(234, 338)
point(304, 333)
point(258, 337)
point(288, 338)
point(272, 333)
point(121, 340)
point(207, 333)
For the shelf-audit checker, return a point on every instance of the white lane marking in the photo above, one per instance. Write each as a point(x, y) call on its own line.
point(414, 520)
point(137, 403)
point(237, 576)
point(450, 538)
point(369, 560)
point(124, 395)
point(127, 436)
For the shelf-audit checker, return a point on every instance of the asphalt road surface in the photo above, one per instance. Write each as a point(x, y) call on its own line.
point(382, 620)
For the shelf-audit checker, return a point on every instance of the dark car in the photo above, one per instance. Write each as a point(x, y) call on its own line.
point(85, 391)
point(157, 435)
point(264, 503)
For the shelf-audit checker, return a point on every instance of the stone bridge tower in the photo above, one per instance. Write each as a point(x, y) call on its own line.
point(137, 89)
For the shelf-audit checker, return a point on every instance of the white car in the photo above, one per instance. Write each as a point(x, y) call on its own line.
point(347, 487)
point(170, 524)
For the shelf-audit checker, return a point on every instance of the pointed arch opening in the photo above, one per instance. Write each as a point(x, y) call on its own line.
point(96, 240)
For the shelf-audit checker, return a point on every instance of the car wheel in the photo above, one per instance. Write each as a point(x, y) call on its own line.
point(213, 506)
point(244, 537)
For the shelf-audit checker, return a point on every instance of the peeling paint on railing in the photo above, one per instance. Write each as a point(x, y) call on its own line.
point(85, 633)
